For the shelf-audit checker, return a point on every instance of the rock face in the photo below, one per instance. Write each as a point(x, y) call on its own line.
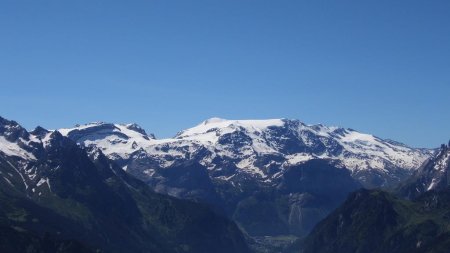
point(236, 165)
point(55, 193)
point(434, 174)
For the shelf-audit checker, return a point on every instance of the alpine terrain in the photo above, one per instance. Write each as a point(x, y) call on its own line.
point(58, 196)
point(432, 175)
point(414, 218)
point(273, 177)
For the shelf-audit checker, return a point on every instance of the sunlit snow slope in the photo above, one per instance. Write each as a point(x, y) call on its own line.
point(257, 148)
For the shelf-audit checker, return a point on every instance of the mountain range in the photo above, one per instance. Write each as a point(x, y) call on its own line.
point(216, 187)
point(260, 149)
point(243, 166)
point(57, 196)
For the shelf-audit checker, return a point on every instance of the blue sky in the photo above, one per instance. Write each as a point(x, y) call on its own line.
point(381, 67)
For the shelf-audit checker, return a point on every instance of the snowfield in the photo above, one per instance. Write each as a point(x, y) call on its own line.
point(253, 146)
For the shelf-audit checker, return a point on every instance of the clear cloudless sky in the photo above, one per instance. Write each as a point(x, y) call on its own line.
point(381, 67)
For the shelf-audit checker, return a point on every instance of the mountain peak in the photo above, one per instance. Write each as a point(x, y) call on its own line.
point(11, 130)
point(256, 145)
point(434, 174)
point(224, 125)
point(40, 132)
point(213, 120)
point(94, 123)
point(104, 127)
point(135, 127)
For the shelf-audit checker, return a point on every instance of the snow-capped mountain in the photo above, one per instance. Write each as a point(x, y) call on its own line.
point(20, 151)
point(297, 173)
point(439, 166)
point(52, 187)
point(260, 149)
point(434, 174)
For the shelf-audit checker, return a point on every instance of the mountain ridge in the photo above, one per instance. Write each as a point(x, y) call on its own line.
point(244, 141)
point(225, 162)
point(240, 167)
point(433, 174)
point(52, 185)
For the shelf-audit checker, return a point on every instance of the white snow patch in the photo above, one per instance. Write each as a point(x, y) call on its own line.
point(7, 180)
point(299, 158)
point(20, 174)
point(42, 181)
point(216, 123)
point(13, 149)
point(432, 184)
